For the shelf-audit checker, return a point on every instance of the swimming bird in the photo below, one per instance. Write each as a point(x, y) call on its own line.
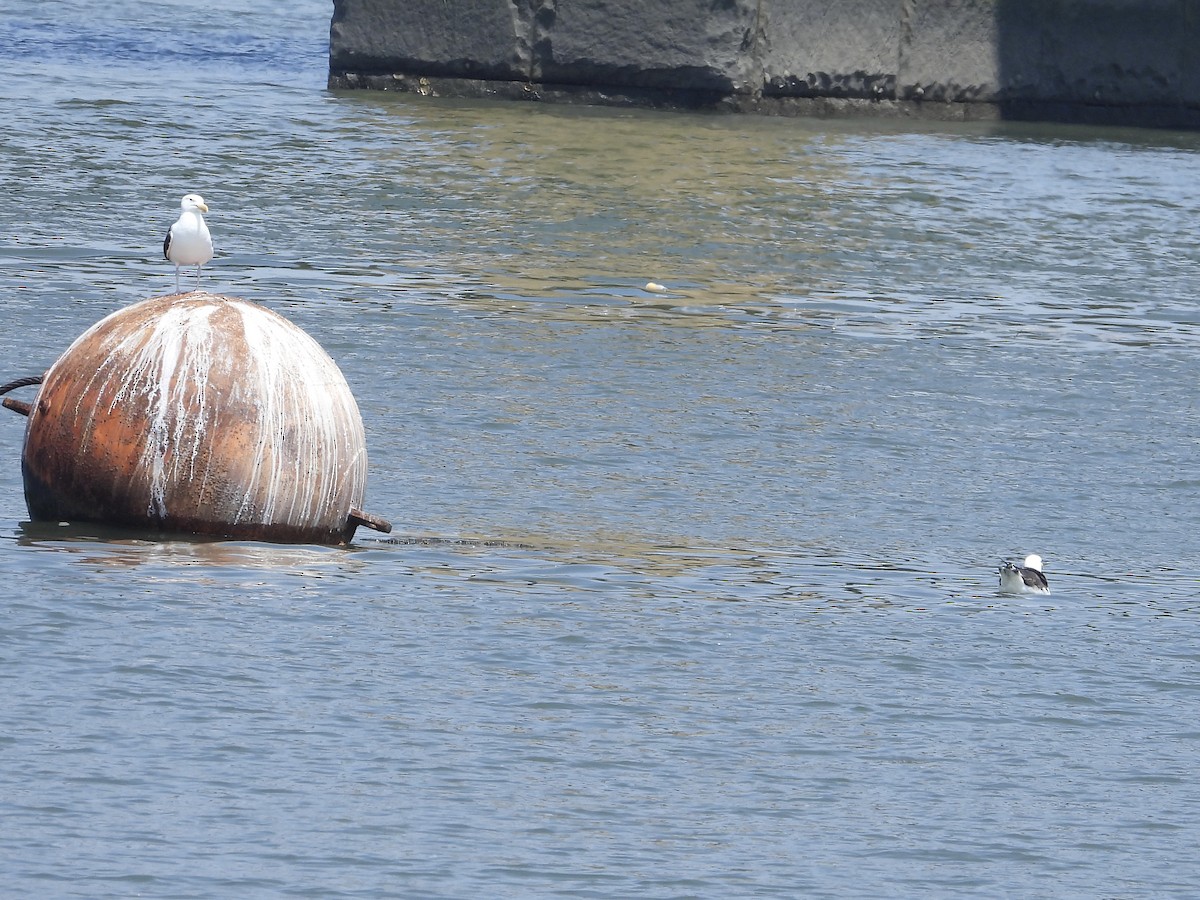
point(1024, 579)
point(188, 242)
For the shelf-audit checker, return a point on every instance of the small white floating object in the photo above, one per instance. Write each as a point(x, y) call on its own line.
point(655, 287)
point(1024, 579)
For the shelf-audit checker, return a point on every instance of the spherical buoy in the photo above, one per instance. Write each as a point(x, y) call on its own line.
point(202, 414)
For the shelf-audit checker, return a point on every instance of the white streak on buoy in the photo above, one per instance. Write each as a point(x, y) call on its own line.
point(294, 380)
point(164, 370)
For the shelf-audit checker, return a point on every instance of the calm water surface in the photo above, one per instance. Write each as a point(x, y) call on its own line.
point(691, 592)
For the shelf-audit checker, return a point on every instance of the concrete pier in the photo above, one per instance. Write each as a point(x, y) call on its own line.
point(1103, 61)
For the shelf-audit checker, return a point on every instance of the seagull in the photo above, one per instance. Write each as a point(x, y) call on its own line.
point(188, 242)
point(1024, 579)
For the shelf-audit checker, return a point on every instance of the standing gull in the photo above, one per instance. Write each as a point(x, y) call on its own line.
point(188, 242)
point(1024, 579)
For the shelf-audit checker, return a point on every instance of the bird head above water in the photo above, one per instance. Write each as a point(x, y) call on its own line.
point(193, 203)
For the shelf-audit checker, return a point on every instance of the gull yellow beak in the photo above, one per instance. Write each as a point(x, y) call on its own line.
point(203, 207)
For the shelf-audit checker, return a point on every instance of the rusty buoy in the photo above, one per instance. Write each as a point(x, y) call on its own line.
point(202, 414)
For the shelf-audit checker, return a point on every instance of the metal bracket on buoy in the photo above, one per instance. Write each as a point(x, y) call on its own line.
point(18, 406)
point(358, 517)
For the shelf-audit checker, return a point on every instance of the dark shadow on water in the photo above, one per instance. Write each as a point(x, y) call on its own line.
point(450, 542)
point(123, 548)
point(31, 534)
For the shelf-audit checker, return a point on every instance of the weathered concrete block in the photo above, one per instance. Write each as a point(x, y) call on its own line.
point(814, 48)
point(446, 38)
point(1187, 38)
point(1099, 60)
point(699, 45)
point(948, 51)
point(1112, 52)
